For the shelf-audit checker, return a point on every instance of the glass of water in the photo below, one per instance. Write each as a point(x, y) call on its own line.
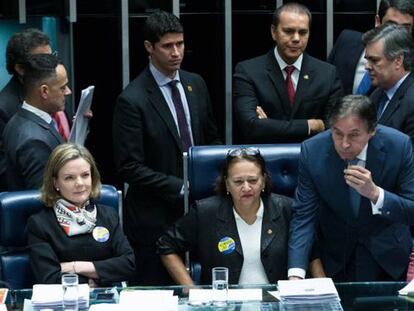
point(70, 283)
point(220, 276)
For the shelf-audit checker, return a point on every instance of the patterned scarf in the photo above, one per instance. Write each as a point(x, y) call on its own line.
point(74, 220)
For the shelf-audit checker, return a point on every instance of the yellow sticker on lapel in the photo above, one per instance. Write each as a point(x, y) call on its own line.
point(306, 77)
point(189, 88)
point(100, 234)
point(226, 245)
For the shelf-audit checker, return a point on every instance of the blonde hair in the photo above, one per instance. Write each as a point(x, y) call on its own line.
point(61, 155)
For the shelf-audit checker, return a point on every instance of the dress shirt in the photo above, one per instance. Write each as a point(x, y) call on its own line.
point(162, 81)
point(359, 72)
point(40, 113)
point(252, 271)
point(297, 64)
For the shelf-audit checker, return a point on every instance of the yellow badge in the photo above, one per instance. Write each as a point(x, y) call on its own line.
point(226, 245)
point(100, 234)
point(306, 77)
point(189, 88)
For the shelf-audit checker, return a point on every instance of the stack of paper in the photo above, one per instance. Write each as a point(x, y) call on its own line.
point(244, 294)
point(317, 290)
point(49, 296)
point(409, 288)
point(154, 300)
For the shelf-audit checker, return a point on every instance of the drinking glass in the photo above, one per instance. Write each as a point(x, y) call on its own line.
point(220, 276)
point(70, 283)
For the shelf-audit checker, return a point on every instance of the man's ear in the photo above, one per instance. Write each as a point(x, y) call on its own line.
point(19, 68)
point(377, 21)
point(44, 91)
point(148, 46)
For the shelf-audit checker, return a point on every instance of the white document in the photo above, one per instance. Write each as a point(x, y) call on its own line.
point(206, 295)
point(50, 295)
point(409, 288)
point(154, 300)
point(317, 289)
point(81, 123)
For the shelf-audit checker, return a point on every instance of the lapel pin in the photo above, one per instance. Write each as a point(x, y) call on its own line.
point(269, 231)
point(306, 77)
point(189, 88)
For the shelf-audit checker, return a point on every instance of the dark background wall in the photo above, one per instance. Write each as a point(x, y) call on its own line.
point(97, 47)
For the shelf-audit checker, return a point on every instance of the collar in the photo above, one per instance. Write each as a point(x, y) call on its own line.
point(40, 113)
point(363, 154)
point(259, 213)
point(282, 64)
point(160, 78)
point(390, 92)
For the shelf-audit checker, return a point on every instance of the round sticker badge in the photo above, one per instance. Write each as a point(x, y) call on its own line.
point(226, 245)
point(100, 234)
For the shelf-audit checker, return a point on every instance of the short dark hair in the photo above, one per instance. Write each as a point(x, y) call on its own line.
point(404, 6)
point(397, 41)
point(237, 155)
point(358, 105)
point(291, 7)
point(21, 44)
point(39, 69)
point(160, 23)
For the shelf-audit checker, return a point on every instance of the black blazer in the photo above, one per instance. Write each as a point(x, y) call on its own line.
point(259, 82)
point(212, 219)
point(28, 142)
point(345, 55)
point(11, 98)
point(49, 246)
point(148, 155)
point(399, 113)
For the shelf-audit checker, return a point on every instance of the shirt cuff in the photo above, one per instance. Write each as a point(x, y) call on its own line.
point(182, 191)
point(377, 207)
point(299, 272)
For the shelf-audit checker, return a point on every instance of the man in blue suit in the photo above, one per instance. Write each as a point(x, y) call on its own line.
point(360, 212)
point(348, 52)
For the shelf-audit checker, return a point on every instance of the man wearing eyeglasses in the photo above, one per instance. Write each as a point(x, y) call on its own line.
point(356, 185)
point(348, 52)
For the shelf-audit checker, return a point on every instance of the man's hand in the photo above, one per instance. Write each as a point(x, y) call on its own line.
point(316, 125)
point(360, 179)
point(260, 113)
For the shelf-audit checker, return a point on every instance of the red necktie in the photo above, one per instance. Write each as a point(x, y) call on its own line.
point(289, 84)
point(62, 124)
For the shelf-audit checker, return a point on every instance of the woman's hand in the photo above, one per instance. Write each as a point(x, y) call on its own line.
point(67, 267)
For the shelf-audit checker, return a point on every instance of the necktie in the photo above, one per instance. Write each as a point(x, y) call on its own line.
point(289, 84)
point(355, 197)
point(181, 119)
point(381, 105)
point(62, 124)
point(364, 85)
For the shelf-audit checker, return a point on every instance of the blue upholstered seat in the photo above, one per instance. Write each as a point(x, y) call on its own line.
point(15, 209)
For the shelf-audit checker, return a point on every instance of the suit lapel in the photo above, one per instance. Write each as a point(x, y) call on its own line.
point(42, 123)
point(157, 100)
point(395, 101)
point(192, 97)
point(226, 224)
point(376, 158)
point(269, 227)
point(306, 77)
point(276, 76)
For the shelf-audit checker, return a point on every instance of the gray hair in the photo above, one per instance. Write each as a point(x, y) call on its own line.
point(397, 41)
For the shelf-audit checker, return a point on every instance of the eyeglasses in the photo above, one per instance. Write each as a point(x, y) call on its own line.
point(243, 151)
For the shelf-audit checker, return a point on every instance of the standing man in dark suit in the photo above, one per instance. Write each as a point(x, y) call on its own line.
point(22, 44)
point(348, 52)
point(30, 135)
point(157, 117)
point(356, 184)
point(284, 95)
point(390, 56)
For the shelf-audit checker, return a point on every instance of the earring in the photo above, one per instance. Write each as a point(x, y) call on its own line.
point(227, 193)
point(57, 189)
point(263, 190)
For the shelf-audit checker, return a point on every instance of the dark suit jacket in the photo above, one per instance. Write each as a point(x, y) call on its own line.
point(28, 142)
point(399, 113)
point(148, 153)
point(212, 219)
point(11, 98)
point(345, 56)
point(259, 82)
point(49, 246)
point(323, 197)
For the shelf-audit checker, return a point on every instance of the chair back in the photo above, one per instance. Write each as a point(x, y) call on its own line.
point(15, 209)
point(204, 164)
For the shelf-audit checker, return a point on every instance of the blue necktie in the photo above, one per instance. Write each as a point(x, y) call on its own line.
point(381, 105)
point(364, 85)
point(355, 197)
point(181, 119)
